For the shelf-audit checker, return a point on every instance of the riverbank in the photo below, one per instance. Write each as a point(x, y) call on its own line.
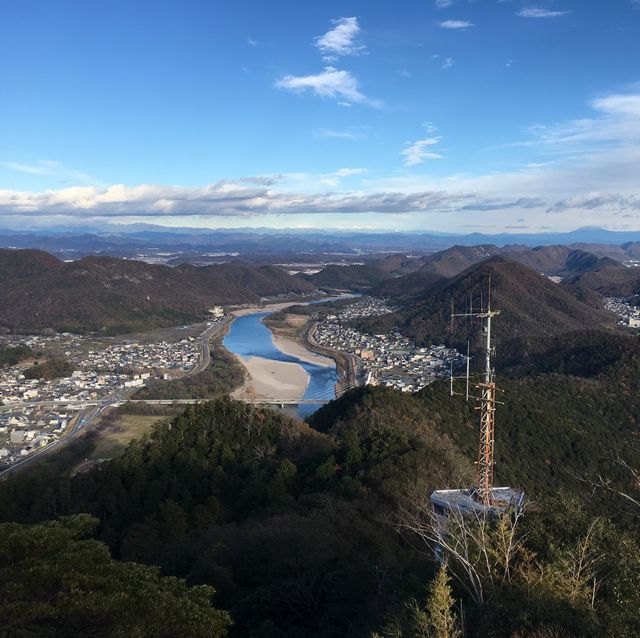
point(292, 347)
point(272, 307)
point(267, 379)
point(347, 365)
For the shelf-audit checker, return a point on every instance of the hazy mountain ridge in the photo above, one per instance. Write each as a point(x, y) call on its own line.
point(122, 240)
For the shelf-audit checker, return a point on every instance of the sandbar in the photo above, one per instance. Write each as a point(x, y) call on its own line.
point(276, 380)
point(295, 349)
point(272, 307)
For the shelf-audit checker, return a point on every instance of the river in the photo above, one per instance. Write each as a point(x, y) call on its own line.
point(249, 337)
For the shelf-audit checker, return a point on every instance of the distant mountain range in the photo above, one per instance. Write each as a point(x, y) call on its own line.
point(39, 291)
point(187, 244)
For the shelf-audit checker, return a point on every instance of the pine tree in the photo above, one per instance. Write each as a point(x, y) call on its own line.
point(438, 619)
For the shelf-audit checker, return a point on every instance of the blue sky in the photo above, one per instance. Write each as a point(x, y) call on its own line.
point(449, 115)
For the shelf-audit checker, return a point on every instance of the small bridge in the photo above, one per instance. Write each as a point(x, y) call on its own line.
point(319, 399)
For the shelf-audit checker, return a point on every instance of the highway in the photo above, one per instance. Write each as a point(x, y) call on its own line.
point(81, 421)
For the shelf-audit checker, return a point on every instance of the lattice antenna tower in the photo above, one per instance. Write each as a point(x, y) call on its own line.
point(486, 398)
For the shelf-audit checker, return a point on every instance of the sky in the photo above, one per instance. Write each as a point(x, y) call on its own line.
point(442, 115)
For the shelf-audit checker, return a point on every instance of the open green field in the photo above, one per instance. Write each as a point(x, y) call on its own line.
point(113, 435)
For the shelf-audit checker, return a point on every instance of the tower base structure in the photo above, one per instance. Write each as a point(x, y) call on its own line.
point(451, 507)
point(502, 499)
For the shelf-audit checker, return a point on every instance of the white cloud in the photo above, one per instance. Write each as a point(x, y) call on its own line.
point(341, 40)
point(342, 135)
point(403, 73)
point(444, 4)
point(418, 152)
point(617, 104)
point(352, 133)
point(588, 176)
point(616, 124)
point(252, 42)
point(334, 179)
point(448, 63)
point(457, 24)
point(330, 83)
point(348, 172)
point(25, 168)
point(533, 12)
point(430, 127)
point(224, 199)
point(51, 168)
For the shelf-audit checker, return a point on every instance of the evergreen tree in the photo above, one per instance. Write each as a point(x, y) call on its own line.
point(56, 581)
point(438, 619)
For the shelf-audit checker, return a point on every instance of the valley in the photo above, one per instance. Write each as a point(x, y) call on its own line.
point(272, 416)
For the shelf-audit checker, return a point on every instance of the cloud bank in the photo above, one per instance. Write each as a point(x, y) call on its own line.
point(587, 173)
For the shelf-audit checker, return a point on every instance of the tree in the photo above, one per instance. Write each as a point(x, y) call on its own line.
point(480, 548)
point(55, 580)
point(438, 619)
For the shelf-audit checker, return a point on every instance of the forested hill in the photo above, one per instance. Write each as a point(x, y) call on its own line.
point(39, 291)
point(360, 277)
point(301, 530)
point(610, 279)
point(597, 267)
point(531, 305)
point(287, 523)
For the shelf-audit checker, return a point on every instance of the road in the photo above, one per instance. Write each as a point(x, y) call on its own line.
point(93, 409)
point(82, 420)
point(352, 364)
point(213, 331)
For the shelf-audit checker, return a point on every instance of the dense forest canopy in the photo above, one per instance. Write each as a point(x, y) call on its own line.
point(297, 526)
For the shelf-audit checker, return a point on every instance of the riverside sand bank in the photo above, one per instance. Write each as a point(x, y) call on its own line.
point(296, 349)
point(278, 368)
point(273, 307)
point(270, 379)
point(267, 379)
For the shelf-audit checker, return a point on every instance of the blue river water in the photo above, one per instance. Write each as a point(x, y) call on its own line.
point(249, 337)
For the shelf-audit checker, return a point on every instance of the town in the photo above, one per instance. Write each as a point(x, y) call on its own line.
point(36, 412)
point(621, 306)
point(387, 359)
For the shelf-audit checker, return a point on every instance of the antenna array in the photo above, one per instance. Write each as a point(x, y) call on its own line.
point(486, 399)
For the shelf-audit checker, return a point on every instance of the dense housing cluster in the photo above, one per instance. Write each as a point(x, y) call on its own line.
point(35, 412)
point(629, 314)
point(387, 359)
